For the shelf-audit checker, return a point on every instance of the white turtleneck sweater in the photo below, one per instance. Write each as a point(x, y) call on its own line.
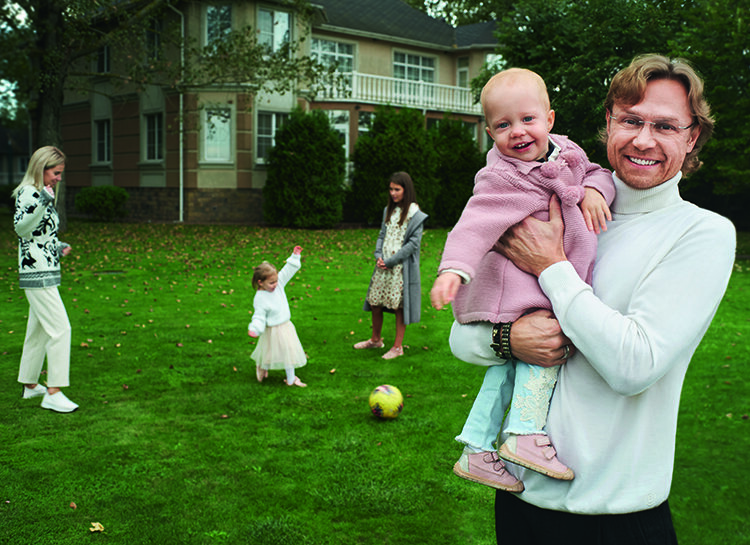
point(661, 270)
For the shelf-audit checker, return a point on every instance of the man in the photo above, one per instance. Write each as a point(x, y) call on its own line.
point(661, 270)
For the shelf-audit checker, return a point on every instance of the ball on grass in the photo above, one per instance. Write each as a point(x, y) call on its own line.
point(386, 401)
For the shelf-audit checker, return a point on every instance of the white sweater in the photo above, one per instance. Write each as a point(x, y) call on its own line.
point(271, 308)
point(661, 270)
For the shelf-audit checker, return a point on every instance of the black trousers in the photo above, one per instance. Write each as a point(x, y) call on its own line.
point(520, 523)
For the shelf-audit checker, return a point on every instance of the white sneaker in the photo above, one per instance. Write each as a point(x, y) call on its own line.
point(58, 403)
point(36, 391)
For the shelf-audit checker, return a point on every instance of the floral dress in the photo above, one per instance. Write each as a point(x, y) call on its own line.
point(387, 286)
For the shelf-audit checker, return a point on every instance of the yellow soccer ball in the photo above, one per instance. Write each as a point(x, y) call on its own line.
point(386, 401)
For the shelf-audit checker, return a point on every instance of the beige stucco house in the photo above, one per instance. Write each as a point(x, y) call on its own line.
point(200, 156)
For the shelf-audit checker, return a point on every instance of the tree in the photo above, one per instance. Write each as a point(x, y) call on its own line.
point(398, 140)
point(62, 38)
point(306, 171)
point(459, 159)
point(578, 46)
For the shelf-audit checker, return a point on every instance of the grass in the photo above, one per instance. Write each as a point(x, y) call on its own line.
point(176, 442)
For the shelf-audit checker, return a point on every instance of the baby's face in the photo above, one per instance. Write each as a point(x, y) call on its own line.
point(519, 120)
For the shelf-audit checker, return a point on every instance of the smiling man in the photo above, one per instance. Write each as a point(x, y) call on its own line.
point(661, 269)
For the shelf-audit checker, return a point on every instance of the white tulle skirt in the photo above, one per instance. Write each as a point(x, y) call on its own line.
point(279, 348)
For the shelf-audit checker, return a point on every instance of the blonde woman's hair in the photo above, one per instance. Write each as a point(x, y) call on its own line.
point(261, 272)
point(43, 159)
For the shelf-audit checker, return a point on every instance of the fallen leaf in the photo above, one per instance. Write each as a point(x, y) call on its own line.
point(73, 505)
point(96, 527)
point(332, 371)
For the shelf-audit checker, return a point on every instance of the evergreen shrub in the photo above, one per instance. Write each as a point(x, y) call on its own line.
point(397, 140)
point(104, 202)
point(459, 159)
point(306, 173)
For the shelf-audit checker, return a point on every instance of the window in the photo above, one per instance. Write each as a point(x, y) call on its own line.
point(339, 120)
point(336, 55)
point(103, 139)
point(102, 60)
point(273, 28)
point(462, 72)
point(218, 22)
point(365, 121)
point(154, 137)
point(268, 124)
point(416, 71)
point(217, 134)
point(330, 53)
point(153, 40)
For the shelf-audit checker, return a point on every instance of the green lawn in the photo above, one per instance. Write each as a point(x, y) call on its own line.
point(176, 442)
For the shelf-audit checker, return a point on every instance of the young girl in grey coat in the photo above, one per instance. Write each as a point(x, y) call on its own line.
point(395, 284)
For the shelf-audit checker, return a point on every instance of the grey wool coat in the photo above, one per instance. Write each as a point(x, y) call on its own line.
point(408, 255)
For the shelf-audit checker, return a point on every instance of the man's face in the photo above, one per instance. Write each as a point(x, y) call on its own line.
point(642, 158)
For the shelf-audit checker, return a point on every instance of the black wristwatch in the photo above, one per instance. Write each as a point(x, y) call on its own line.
point(501, 340)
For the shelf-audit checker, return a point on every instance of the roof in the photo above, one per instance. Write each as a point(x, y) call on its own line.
point(395, 19)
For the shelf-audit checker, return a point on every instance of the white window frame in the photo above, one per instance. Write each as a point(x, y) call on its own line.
point(267, 135)
point(153, 40)
point(217, 134)
point(102, 60)
point(462, 72)
point(280, 30)
point(339, 120)
point(153, 137)
point(102, 141)
point(411, 69)
point(211, 35)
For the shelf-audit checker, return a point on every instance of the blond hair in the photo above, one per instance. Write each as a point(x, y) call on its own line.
point(514, 75)
point(43, 159)
point(629, 87)
point(261, 272)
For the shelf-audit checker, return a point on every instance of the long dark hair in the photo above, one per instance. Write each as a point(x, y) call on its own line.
point(404, 180)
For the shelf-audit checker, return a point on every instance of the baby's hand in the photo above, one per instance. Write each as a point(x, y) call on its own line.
point(297, 250)
point(595, 211)
point(253, 334)
point(444, 289)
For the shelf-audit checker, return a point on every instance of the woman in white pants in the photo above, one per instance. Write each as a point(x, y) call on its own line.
point(39, 251)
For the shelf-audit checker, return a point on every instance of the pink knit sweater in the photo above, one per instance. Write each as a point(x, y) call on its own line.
point(506, 191)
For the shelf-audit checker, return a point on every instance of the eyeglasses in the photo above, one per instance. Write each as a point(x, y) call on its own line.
point(634, 124)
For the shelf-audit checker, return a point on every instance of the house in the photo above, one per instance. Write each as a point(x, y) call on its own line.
point(199, 156)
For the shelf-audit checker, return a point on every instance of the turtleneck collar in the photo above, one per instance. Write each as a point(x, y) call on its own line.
point(640, 201)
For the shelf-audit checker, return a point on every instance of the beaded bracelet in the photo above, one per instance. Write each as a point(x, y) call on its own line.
point(501, 340)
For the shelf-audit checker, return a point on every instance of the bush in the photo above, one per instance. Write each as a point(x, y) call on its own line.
point(397, 141)
point(105, 202)
point(5, 196)
point(306, 170)
point(458, 162)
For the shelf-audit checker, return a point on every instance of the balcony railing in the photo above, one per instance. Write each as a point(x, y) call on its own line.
point(368, 88)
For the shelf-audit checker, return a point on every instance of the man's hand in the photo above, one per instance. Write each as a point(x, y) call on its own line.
point(536, 338)
point(444, 289)
point(533, 245)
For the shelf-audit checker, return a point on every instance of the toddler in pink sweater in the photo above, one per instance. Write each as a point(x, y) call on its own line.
point(526, 167)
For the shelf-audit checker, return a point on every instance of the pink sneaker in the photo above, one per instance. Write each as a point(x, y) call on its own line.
point(537, 453)
point(486, 468)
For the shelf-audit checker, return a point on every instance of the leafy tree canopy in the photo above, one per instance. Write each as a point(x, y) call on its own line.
point(578, 45)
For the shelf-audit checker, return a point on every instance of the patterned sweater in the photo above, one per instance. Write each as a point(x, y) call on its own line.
point(39, 251)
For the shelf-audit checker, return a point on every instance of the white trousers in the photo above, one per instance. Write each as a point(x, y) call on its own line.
point(48, 333)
